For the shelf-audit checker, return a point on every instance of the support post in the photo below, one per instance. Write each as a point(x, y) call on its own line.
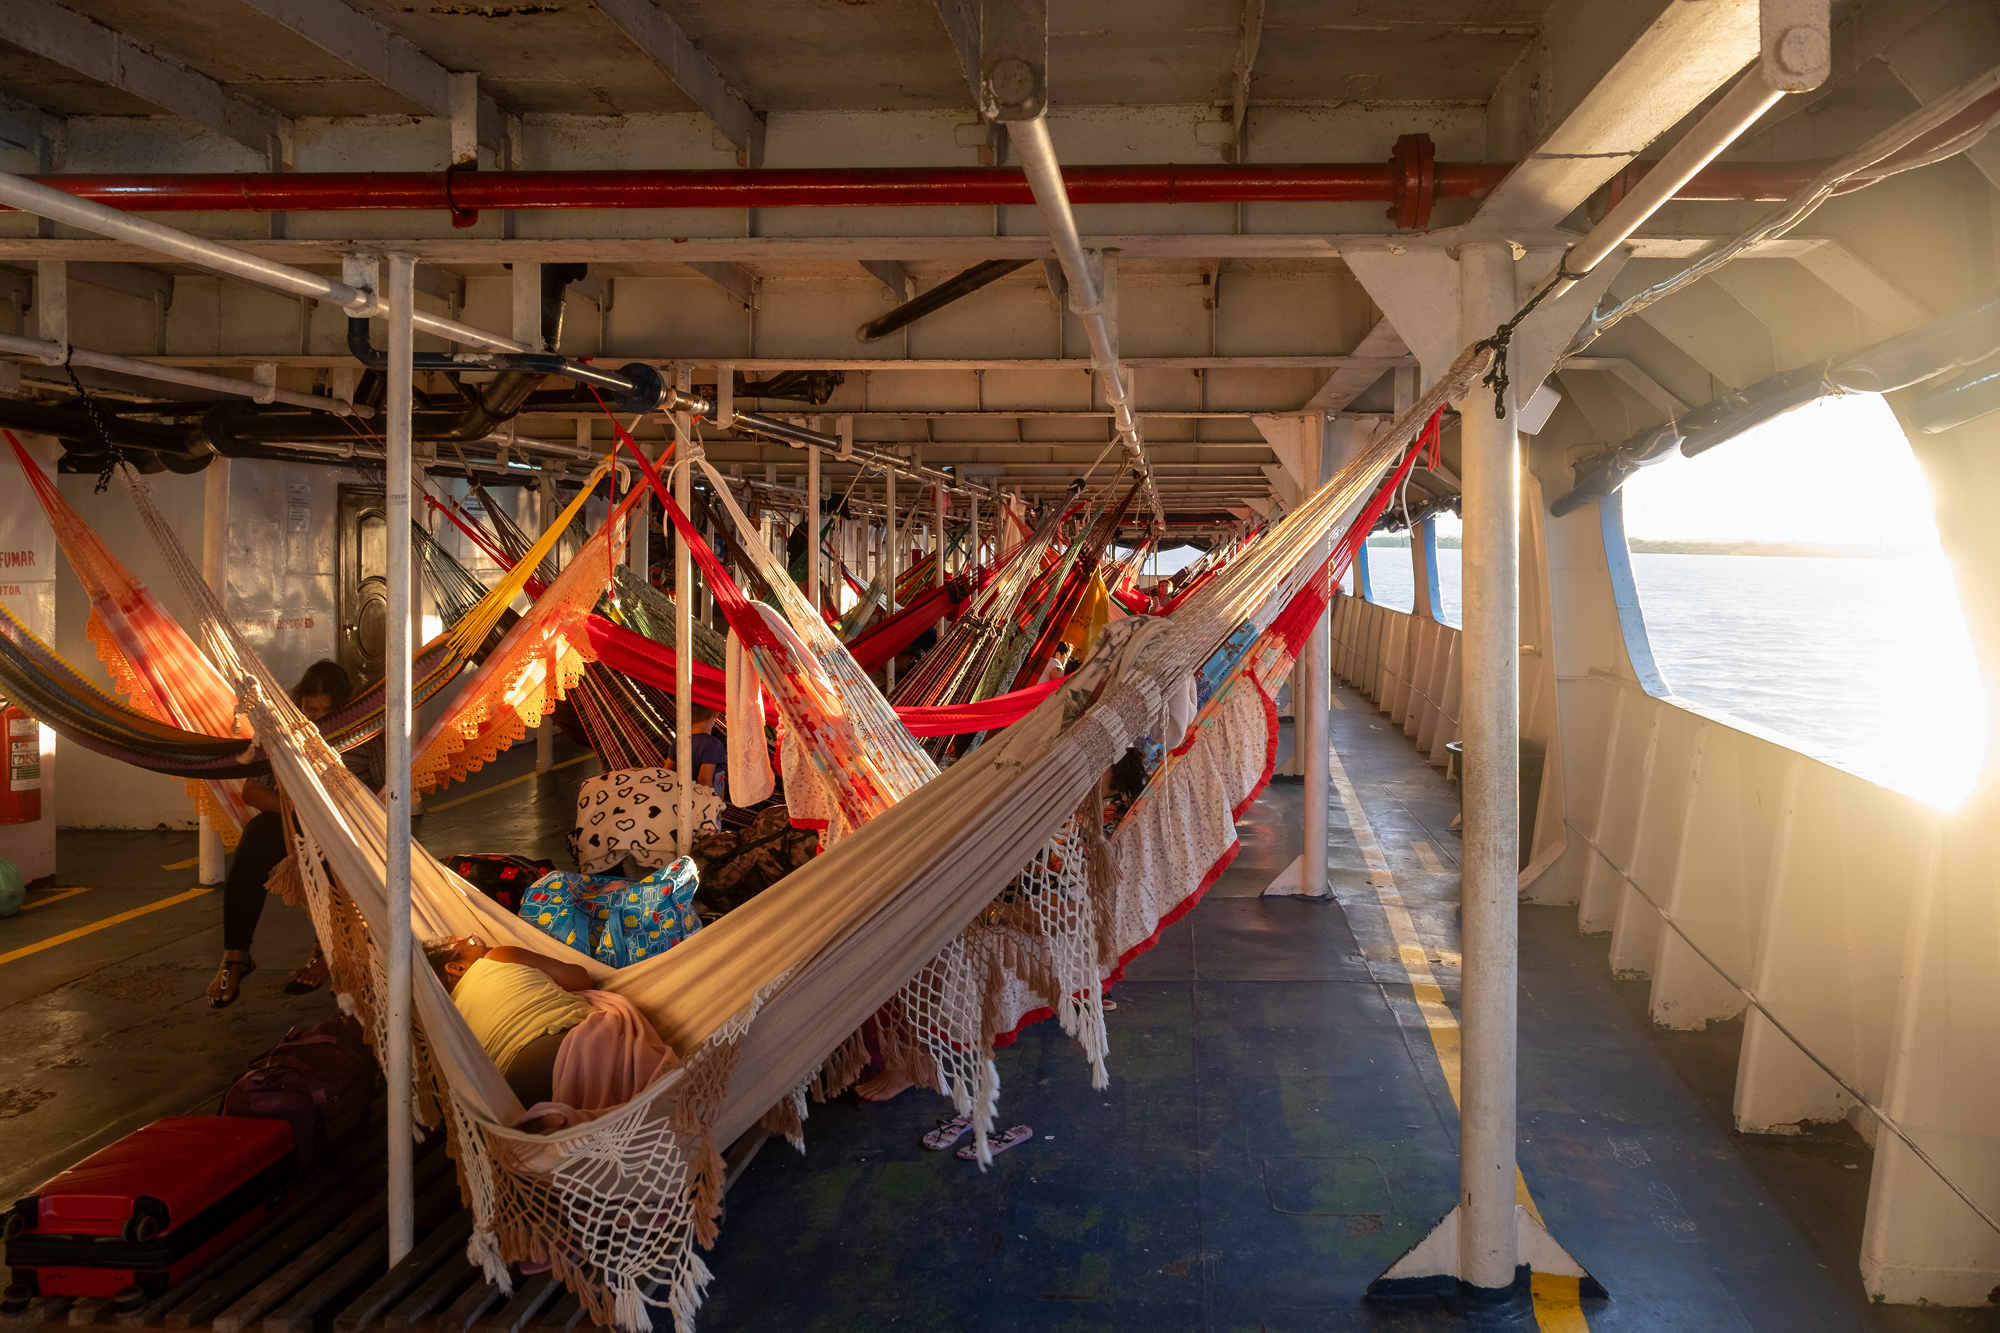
point(814, 522)
point(396, 731)
point(894, 544)
point(1312, 678)
point(939, 544)
point(215, 571)
point(1492, 707)
point(545, 730)
point(684, 765)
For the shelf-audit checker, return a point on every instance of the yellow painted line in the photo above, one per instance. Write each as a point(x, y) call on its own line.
point(430, 809)
point(188, 864)
point(54, 896)
point(1557, 1309)
point(1427, 857)
point(1335, 699)
point(96, 926)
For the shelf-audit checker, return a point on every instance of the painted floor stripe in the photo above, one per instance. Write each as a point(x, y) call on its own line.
point(54, 896)
point(96, 926)
point(188, 864)
point(430, 809)
point(1557, 1308)
point(1427, 857)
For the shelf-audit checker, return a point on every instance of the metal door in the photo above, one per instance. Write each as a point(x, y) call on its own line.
point(364, 582)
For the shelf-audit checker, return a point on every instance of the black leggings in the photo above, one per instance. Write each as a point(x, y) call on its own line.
point(258, 853)
point(532, 1075)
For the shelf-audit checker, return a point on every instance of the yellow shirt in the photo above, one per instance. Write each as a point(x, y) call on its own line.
point(508, 1005)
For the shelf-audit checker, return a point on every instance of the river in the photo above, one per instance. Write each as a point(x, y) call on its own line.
point(1864, 663)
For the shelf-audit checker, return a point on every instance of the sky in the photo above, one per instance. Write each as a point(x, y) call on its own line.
point(1836, 471)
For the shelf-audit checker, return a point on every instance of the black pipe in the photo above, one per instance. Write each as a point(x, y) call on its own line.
point(233, 427)
point(938, 297)
point(634, 388)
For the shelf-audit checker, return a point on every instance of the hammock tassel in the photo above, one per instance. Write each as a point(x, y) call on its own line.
point(483, 1252)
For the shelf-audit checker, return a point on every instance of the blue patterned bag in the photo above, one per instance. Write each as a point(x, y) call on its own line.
point(616, 921)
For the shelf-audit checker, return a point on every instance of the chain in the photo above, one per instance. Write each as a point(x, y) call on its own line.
point(1496, 376)
point(113, 455)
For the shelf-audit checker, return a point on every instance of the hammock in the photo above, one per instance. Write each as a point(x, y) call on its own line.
point(755, 1003)
point(954, 671)
point(33, 676)
point(150, 660)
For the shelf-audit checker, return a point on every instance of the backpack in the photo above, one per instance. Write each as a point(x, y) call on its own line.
point(321, 1080)
point(738, 864)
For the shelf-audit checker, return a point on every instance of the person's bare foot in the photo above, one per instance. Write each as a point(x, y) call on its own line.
point(305, 980)
point(227, 983)
point(882, 1087)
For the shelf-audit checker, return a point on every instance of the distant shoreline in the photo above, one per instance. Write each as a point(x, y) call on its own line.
point(1651, 546)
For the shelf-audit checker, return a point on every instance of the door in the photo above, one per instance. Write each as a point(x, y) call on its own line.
point(364, 582)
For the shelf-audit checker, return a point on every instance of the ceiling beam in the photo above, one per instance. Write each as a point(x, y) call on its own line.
point(891, 274)
point(1349, 382)
point(961, 25)
point(86, 46)
point(26, 127)
point(661, 40)
point(1672, 54)
point(732, 278)
point(387, 57)
point(1247, 42)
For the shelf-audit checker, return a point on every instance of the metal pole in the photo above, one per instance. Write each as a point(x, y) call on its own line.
point(812, 526)
point(938, 545)
point(215, 572)
point(1037, 152)
point(545, 730)
point(1312, 686)
point(396, 731)
point(1491, 724)
point(684, 766)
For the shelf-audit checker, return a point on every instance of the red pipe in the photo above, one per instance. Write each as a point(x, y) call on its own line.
point(1411, 182)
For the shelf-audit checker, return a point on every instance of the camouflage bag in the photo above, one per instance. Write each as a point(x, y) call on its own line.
point(738, 864)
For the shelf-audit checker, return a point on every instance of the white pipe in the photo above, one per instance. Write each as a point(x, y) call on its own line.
point(812, 526)
point(1038, 161)
point(545, 730)
point(684, 765)
point(1738, 110)
point(396, 730)
point(1490, 719)
point(52, 354)
point(1312, 691)
point(895, 562)
point(58, 206)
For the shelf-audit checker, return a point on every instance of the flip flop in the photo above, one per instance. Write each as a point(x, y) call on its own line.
point(1014, 1137)
point(950, 1129)
point(230, 975)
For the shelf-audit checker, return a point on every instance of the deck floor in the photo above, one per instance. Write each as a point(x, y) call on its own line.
point(1278, 1128)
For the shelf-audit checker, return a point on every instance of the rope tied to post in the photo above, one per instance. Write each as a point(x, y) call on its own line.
point(1496, 374)
point(99, 427)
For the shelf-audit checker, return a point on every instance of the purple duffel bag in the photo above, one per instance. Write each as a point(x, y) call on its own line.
point(322, 1081)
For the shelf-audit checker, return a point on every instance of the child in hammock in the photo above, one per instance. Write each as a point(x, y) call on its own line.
point(520, 1004)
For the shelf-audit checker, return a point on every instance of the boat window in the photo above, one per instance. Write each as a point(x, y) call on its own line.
point(1792, 576)
point(1392, 574)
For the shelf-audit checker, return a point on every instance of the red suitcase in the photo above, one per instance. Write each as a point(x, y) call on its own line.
point(151, 1209)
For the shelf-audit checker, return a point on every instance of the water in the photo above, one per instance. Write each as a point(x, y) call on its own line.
point(1864, 663)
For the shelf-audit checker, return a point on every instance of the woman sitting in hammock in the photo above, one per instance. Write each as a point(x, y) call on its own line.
point(324, 688)
point(552, 1037)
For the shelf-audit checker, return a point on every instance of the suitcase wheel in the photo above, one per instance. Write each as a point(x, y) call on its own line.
point(147, 1216)
point(15, 1224)
point(129, 1299)
point(16, 1298)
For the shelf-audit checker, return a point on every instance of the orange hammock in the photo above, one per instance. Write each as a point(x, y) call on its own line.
point(151, 660)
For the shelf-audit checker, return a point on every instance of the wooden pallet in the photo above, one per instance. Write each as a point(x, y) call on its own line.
point(321, 1266)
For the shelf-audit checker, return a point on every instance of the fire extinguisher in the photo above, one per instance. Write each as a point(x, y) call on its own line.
point(21, 799)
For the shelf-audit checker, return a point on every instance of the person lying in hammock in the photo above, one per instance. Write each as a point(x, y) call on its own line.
point(520, 1004)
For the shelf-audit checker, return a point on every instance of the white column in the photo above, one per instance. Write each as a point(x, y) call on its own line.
point(526, 293)
point(684, 765)
point(545, 730)
point(402, 271)
point(813, 523)
point(1311, 699)
point(1487, 1252)
point(939, 544)
point(895, 545)
point(215, 570)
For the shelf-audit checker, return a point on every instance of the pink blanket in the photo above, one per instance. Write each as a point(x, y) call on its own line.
point(604, 1062)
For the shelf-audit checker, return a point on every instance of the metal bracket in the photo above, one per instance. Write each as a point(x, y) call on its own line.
point(1013, 59)
point(1797, 43)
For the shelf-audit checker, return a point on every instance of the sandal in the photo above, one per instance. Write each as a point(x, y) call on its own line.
point(303, 981)
point(1013, 1138)
point(950, 1129)
point(228, 982)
